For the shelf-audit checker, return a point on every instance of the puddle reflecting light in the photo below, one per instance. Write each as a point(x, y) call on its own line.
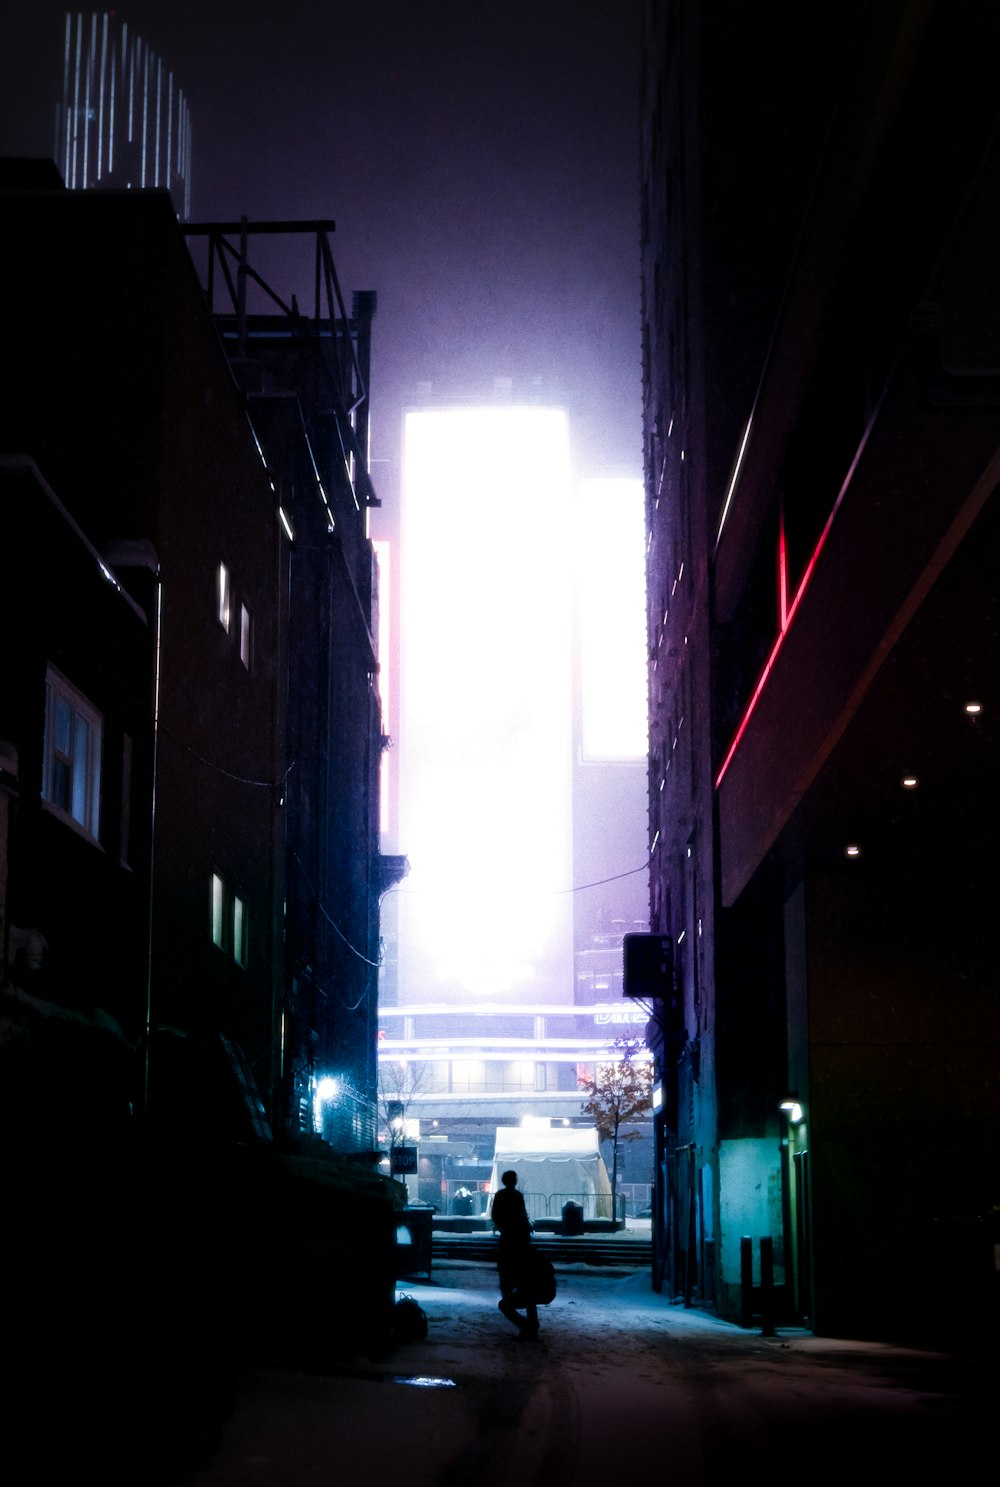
point(426, 1381)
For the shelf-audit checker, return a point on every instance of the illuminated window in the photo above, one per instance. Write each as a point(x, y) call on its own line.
point(518, 1074)
point(468, 1076)
point(218, 912)
point(246, 636)
point(71, 780)
point(435, 1079)
point(224, 596)
point(239, 931)
point(546, 1076)
point(229, 921)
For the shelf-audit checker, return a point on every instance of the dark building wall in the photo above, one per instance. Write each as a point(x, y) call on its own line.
point(88, 898)
point(125, 399)
point(221, 752)
point(303, 380)
point(819, 215)
point(680, 832)
point(901, 1086)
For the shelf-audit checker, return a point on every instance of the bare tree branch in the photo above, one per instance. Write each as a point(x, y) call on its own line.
point(621, 1092)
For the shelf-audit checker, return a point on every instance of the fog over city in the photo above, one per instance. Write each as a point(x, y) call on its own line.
point(498, 716)
point(480, 162)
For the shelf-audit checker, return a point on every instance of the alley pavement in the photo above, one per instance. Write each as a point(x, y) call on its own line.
point(620, 1383)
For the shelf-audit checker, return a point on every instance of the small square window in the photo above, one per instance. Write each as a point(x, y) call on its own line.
point(71, 778)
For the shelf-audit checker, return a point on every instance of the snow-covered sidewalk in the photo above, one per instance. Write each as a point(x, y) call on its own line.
point(620, 1383)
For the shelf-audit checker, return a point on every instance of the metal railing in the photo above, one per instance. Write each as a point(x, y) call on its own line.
point(594, 1205)
point(630, 1198)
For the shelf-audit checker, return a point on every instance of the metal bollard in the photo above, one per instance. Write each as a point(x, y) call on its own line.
point(767, 1286)
point(746, 1281)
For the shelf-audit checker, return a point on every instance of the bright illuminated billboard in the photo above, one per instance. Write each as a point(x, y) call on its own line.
point(611, 602)
point(383, 553)
point(485, 748)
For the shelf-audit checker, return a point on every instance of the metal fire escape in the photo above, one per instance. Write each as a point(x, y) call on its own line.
point(343, 341)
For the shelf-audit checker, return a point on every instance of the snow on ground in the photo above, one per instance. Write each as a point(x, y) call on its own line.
point(620, 1382)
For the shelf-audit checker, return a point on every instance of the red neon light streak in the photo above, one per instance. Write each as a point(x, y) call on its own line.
point(786, 625)
point(803, 585)
point(782, 571)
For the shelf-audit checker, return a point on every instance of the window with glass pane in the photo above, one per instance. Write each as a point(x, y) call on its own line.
point(230, 921)
point(71, 778)
point(223, 591)
point(218, 912)
point(468, 1076)
point(246, 636)
point(239, 931)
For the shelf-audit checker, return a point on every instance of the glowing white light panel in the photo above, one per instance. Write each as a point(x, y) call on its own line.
point(611, 601)
point(383, 553)
point(485, 693)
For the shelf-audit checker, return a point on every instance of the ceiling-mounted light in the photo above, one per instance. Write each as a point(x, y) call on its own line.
point(973, 708)
point(853, 850)
point(909, 782)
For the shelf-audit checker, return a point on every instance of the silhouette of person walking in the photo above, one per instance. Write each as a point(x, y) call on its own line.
point(510, 1219)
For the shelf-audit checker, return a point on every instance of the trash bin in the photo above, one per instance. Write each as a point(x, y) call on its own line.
point(414, 1225)
point(572, 1218)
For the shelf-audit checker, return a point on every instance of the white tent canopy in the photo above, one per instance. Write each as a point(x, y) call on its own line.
point(553, 1166)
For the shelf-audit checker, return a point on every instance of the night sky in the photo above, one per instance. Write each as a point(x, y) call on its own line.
point(480, 160)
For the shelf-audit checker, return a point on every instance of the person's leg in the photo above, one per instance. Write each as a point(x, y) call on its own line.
point(508, 1285)
point(507, 1306)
